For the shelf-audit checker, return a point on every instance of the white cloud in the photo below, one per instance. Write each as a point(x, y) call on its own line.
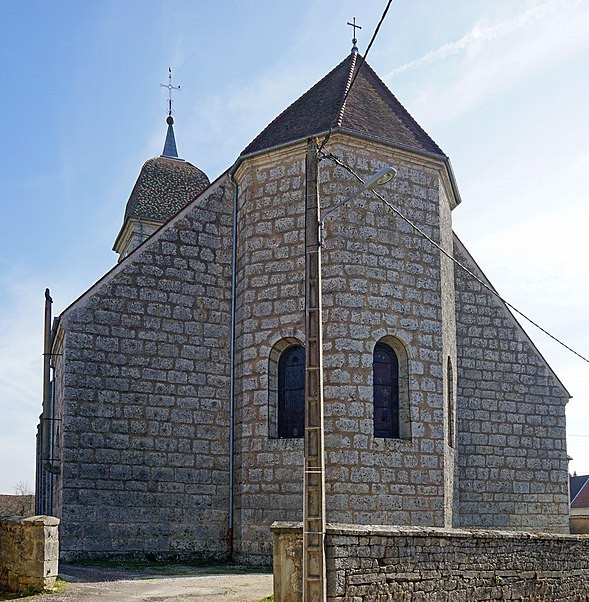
point(491, 57)
point(482, 33)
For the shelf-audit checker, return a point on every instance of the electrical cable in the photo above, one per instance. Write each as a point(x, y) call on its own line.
point(451, 257)
point(362, 61)
point(363, 58)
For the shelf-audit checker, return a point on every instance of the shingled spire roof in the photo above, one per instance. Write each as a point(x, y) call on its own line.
point(370, 110)
point(170, 149)
point(165, 185)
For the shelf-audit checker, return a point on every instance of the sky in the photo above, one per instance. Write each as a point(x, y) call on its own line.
point(502, 86)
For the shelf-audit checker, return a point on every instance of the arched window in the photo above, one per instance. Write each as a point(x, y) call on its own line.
point(385, 369)
point(450, 400)
point(291, 392)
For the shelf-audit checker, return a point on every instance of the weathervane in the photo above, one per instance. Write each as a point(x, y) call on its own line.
point(170, 88)
point(354, 40)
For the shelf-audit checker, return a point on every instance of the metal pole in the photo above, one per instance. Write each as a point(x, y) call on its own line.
point(314, 573)
point(47, 417)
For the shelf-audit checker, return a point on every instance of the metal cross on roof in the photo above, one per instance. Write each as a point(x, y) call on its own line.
point(170, 88)
point(354, 40)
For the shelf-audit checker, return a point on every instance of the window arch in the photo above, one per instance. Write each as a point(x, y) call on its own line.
point(385, 391)
point(390, 392)
point(286, 390)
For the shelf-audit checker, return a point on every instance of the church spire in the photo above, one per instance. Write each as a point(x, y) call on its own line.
point(170, 149)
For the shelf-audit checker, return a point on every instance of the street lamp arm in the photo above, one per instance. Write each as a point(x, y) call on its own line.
point(382, 176)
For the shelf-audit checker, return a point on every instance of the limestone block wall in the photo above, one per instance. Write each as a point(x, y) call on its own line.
point(29, 553)
point(513, 468)
point(269, 301)
point(380, 279)
point(448, 303)
point(424, 563)
point(144, 396)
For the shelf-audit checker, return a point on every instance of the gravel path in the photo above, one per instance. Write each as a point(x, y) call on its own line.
point(165, 583)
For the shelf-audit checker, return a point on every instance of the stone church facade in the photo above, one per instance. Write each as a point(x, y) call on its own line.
point(170, 431)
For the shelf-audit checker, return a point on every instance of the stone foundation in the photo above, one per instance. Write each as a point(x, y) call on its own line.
point(29, 553)
point(430, 564)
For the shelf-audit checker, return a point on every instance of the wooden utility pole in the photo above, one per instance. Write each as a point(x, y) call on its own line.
point(314, 573)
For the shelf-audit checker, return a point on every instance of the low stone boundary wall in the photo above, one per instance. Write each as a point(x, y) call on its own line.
point(29, 553)
point(379, 563)
point(579, 524)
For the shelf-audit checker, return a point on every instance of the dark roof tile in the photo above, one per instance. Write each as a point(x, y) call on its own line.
point(371, 109)
point(164, 186)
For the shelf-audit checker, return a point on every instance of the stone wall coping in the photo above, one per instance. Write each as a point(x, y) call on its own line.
point(29, 552)
point(414, 531)
point(48, 521)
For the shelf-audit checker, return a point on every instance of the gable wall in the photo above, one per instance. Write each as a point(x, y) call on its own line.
point(380, 279)
point(513, 468)
point(145, 398)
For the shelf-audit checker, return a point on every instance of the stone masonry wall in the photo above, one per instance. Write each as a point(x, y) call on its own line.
point(513, 468)
point(380, 279)
point(145, 396)
point(375, 563)
point(448, 302)
point(29, 553)
point(268, 471)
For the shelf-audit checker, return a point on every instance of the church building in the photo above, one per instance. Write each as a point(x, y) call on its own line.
point(173, 414)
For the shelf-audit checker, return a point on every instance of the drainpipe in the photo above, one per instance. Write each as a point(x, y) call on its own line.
point(47, 416)
point(232, 371)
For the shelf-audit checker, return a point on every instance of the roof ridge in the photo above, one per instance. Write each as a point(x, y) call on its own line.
point(351, 96)
point(346, 89)
point(275, 123)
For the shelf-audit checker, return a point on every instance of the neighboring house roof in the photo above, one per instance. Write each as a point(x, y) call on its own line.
point(579, 486)
point(370, 110)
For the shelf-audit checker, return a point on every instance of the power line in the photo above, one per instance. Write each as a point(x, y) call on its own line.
point(363, 58)
point(451, 257)
point(362, 61)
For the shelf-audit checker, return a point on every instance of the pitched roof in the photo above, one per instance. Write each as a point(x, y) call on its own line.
point(164, 186)
point(371, 110)
point(579, 487)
